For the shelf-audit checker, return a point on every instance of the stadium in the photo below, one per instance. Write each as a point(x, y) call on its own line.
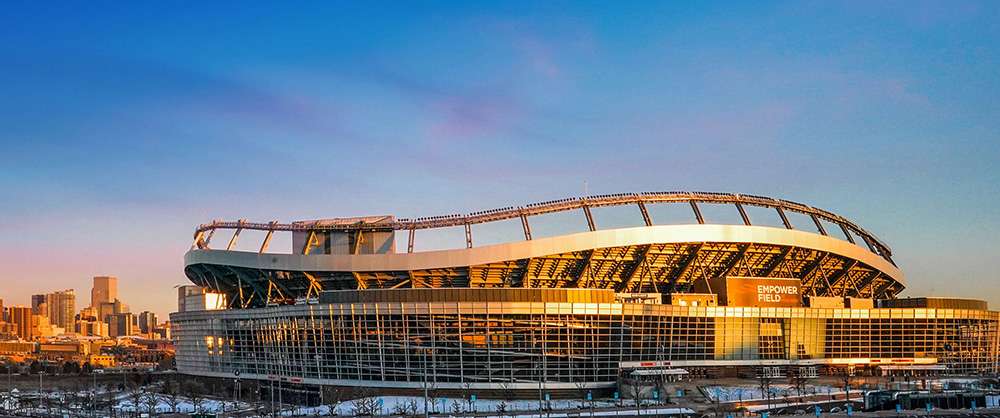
point(810, 293)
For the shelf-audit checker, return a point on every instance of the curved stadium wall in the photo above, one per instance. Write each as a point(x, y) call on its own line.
point(570, 311)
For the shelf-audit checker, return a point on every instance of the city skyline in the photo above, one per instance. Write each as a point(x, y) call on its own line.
point(81, 300)
point(126, 128)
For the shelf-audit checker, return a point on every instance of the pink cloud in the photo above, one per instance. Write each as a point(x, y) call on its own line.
point(468, 116)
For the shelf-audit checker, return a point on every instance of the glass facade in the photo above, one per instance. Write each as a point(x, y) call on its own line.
point(561, 345)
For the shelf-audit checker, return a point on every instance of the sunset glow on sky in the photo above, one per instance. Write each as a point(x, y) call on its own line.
point(123, 128)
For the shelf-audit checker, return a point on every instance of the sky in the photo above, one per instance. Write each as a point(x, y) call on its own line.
point(124, 126)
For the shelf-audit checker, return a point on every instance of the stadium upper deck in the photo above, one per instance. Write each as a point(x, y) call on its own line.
point(358, 253)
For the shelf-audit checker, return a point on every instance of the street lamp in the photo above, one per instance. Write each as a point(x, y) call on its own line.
point(236, 391)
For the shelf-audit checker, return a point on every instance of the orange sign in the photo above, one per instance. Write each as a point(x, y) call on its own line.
point(751, 291)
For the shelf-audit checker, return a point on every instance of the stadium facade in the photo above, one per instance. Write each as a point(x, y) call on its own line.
point(573, 311)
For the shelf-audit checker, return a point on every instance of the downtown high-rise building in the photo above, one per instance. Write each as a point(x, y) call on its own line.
point(88, 324)
point(39, 305)
point(147, 322)
point(61, 308)
point(105, 290)
point(108, 309)
point(122, 324)
point(21, 317)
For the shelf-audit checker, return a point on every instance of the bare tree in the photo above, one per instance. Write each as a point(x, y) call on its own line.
point(333, 398)
point(366, 406)
point(432, 398)
point(467, 393)
point(136, 395)
point(150, 400)
point(797, 380)
point(193, 391)
point(172, 394)
point(502, 407)
point(456, 407)
point(636, 391)
point(406, 409)
point(109, 390)
point(764, 381)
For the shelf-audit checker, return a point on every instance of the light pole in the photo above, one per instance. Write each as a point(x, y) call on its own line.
point(93, 393)
point(40, 397)
point(236, 391)
point(534, 341)
point(426, 391)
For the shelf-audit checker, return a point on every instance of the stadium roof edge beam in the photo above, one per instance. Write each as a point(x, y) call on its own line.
point(874, 244)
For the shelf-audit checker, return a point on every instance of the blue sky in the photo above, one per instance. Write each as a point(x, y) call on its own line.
point(124, 127)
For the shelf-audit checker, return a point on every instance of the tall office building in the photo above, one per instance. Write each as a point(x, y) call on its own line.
point(105, 290)
point(61, 308)
point(20, 316)
point(108, 309)
point(147, 322)
point(122, 324)
point(88, 324)
point(39, 305)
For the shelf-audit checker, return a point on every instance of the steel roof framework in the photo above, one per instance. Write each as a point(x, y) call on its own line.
point(204, 232)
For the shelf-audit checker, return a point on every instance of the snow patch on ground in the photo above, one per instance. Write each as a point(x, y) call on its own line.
point(518, 408)
point(718, 393)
